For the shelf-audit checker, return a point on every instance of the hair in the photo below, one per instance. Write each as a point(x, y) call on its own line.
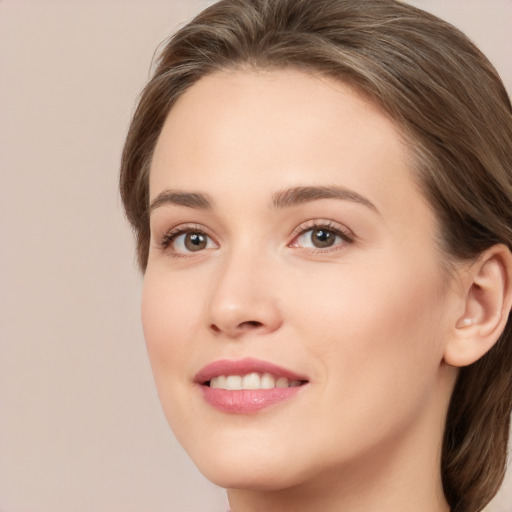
point(451, 106)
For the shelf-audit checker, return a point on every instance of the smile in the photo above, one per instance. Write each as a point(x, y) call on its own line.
point(247, 385)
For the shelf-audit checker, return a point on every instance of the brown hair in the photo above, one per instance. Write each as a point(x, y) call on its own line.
point(449, 102)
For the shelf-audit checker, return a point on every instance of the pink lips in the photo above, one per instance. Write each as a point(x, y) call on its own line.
point(245, 401)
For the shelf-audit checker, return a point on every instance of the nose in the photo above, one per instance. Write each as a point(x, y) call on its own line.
point(244, 300)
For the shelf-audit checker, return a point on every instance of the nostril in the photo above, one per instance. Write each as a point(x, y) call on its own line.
point(243, 326)
point(250, 324)
point(236, 329)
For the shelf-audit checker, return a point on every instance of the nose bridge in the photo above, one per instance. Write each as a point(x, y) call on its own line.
point(241, 300)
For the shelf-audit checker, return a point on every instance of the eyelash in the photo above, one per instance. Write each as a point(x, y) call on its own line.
point(347, 238)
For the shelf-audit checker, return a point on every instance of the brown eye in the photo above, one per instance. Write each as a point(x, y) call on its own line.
point(195, 241)
point(322, 238)
point(189, 241)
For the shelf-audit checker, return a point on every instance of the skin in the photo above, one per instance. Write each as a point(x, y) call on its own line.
point(366, 320)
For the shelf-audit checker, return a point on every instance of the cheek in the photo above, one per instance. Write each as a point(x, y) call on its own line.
point(378, 307)
point(377, 332)
point(169, 320)
point(376, 338)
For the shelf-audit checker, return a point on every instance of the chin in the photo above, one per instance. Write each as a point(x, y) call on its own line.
point(251, 466)
point(264, 477)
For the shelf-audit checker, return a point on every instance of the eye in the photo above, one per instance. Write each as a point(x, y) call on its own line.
point(186, 240)
point(320, 237)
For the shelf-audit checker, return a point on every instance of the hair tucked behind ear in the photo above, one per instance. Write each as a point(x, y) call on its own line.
point(477, 429)
point(450, 104)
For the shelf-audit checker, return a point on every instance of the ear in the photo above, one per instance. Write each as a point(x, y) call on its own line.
point(486, 302)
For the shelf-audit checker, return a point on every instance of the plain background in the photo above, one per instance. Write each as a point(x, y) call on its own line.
point(81, 428)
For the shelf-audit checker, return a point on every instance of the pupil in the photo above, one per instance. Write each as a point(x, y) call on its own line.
point(323, 238)
point(195, 241)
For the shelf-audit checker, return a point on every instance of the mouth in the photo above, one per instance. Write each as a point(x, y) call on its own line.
point(247, 385)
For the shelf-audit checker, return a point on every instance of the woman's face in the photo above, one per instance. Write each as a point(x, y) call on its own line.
point(290, 243)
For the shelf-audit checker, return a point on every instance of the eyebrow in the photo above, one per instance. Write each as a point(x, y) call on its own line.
point(299, 195)
point(188, 199)
point(281, 199)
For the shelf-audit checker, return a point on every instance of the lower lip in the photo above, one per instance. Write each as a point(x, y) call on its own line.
point(245, 401)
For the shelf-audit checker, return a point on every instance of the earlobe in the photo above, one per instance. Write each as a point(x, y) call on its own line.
point(487, 296)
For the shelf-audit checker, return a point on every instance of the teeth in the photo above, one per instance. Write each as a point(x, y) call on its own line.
point(267, 381)
point(221, 382)
point(282, 382)
point(252, 381)
point(233, 382)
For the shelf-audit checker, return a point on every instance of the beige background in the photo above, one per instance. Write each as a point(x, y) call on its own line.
point(80, 425)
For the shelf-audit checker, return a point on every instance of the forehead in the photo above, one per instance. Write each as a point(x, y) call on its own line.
point(274, 129)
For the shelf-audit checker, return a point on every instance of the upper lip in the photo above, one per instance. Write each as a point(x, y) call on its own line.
point(243, 367)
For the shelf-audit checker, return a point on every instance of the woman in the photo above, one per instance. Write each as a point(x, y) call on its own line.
point(322, 197)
